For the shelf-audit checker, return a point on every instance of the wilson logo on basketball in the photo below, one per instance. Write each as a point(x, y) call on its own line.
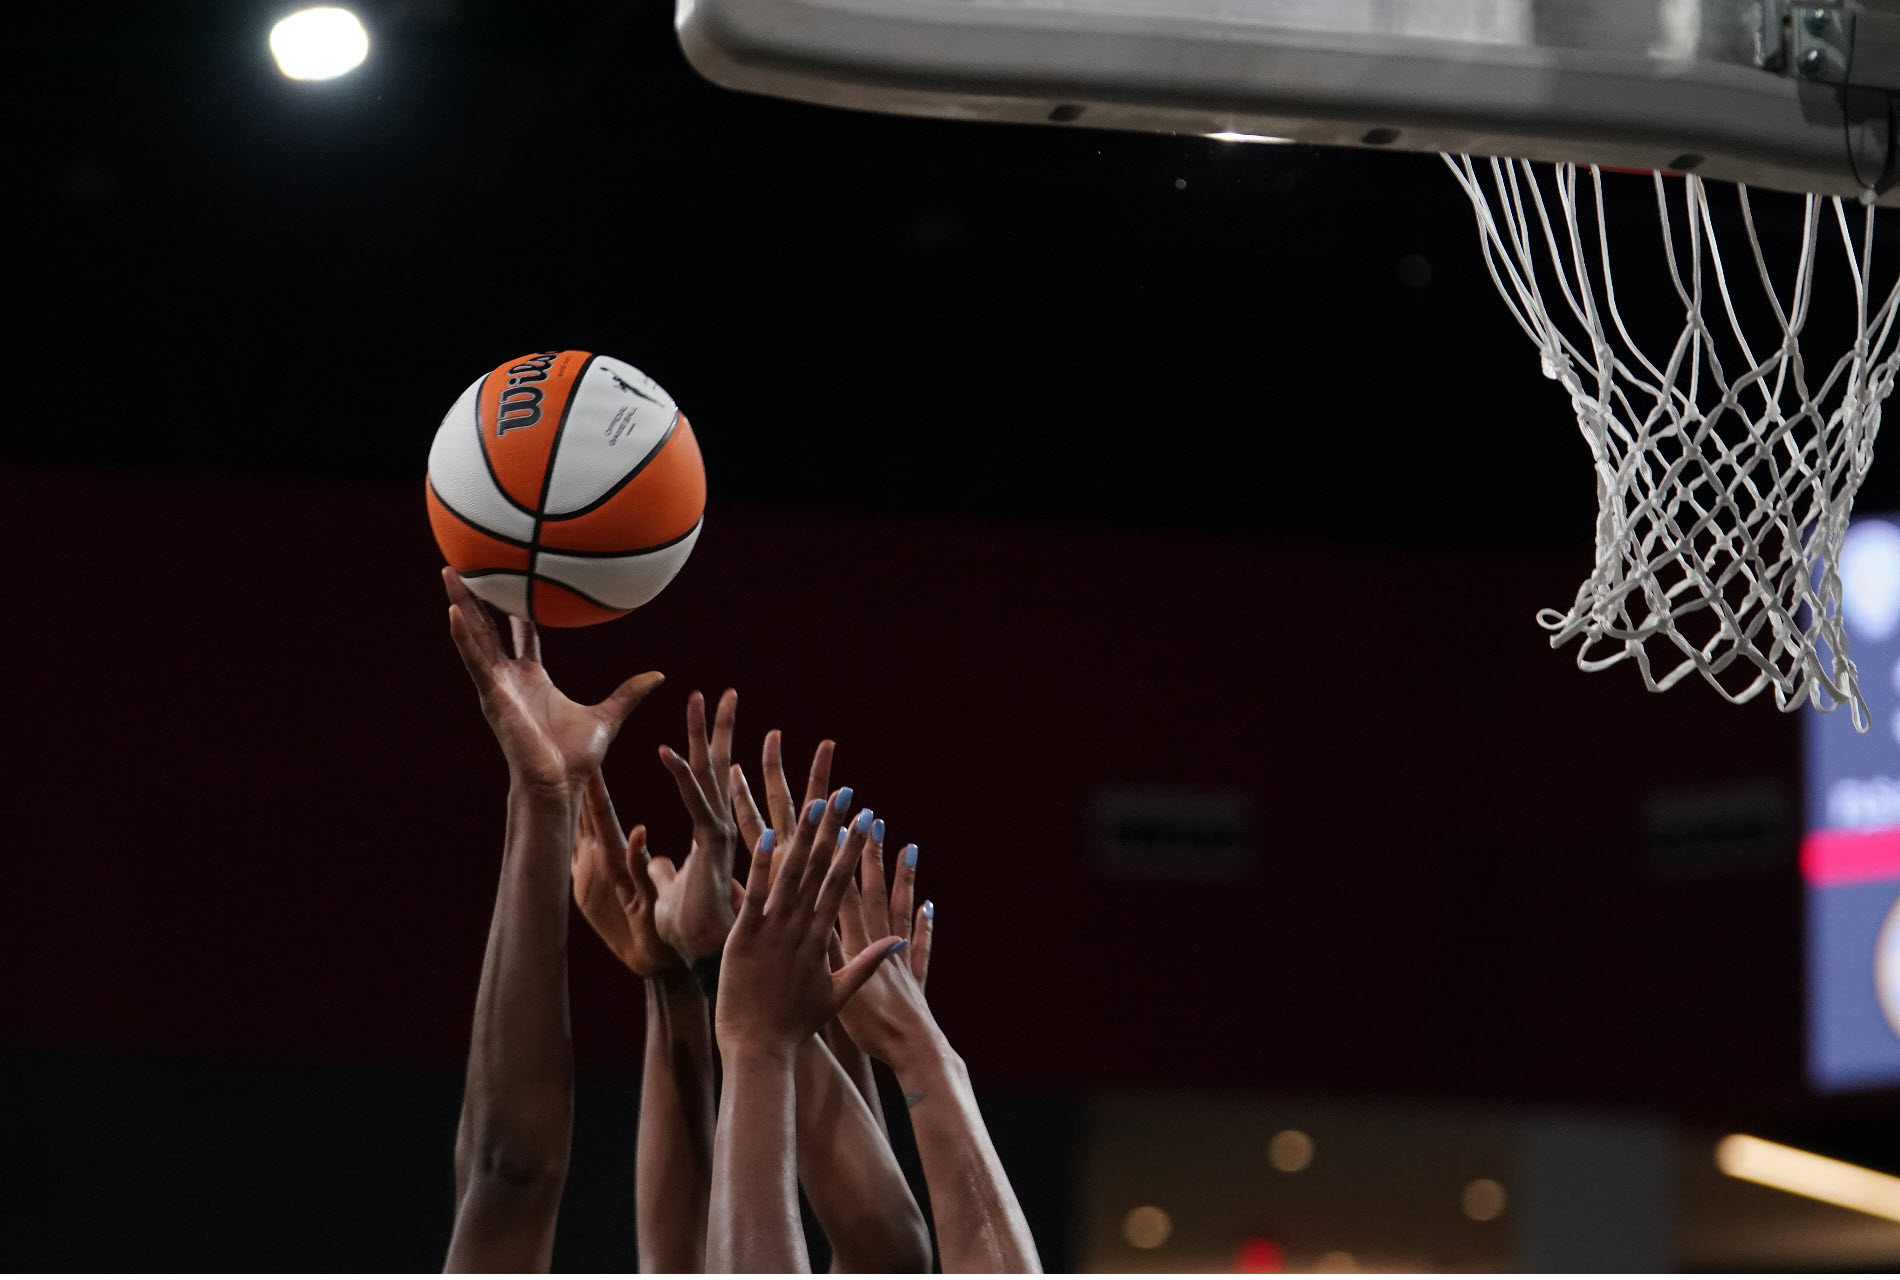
point(520, 404)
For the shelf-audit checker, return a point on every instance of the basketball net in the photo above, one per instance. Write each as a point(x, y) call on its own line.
point(1725, 474)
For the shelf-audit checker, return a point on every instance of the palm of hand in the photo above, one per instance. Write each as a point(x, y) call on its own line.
point(695, 913)
point(622, 913)
point(550, 738)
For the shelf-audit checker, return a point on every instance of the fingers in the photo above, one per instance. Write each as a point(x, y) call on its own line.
point(636, 867)
point(621, 702)
point(738, 891)
point(831, 892)
point(598, 816)
point(662, 871)
point(473, 615)
point(903, 891)
point(845, 982)
point(875, 906)
point(725, 716)
point(527, 639)
point(834, 953)
point(697, 806)
point(925, 926)
point(827, 843)
point(758, 883)
point(696, 750)
point(778, 796)
point(788, 869)
point(852, 913)
point(744, 811)
point(701, 754)
point(480, 666)
point(818, 784)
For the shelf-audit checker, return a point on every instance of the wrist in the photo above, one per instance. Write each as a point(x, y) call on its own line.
point(924, 1057)
point(541, 795)
point(743, 1056)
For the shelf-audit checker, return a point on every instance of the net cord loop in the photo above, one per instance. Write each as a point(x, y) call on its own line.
point(1724, 480)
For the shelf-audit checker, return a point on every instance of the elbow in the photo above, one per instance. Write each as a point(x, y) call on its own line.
point(513, 1170)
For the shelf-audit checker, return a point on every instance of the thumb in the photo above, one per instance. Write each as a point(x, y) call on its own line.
point(620, 703)
point(662, 871)
point(632, 882)
point(845, 982)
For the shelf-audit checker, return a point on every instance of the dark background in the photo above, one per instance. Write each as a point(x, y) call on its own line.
point(1042, 461)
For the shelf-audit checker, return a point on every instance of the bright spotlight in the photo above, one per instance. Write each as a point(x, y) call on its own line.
point(1230, 136)
point(319, 44)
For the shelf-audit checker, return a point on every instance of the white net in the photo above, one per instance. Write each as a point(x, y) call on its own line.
point(1725, 472)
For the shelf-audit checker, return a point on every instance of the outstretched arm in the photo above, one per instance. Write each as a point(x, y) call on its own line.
point(845, 1161)
point(776, 989)
point(980, 1225)
point(616, 885)
point(512, 1145)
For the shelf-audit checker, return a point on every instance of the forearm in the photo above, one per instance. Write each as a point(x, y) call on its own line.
point(980, 1226)
point(673, 1162)
point(850, 1175)
point(857, 1065)
point(753, 1224)
point(517, 1107)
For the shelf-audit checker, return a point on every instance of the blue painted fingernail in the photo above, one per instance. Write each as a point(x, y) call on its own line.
point(767, 839)
point(865, 818)
point(816, 811)
point(930, 909)
point(910, 856)
point(841, 835)
point(901, 944)
point(877, 831)
point(841, 801)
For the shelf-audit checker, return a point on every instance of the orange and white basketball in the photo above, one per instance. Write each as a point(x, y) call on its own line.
point(565, 487)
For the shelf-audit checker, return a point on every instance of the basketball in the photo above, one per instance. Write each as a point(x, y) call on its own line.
point(565, 487)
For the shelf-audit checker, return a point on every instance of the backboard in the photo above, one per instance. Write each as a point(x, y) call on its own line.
point(1764, 92)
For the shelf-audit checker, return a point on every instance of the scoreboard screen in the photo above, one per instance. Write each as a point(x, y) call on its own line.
point(1850, 848)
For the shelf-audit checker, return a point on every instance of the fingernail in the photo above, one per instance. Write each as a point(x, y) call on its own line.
point(930, 909)
point(767, 839)
point(841, 835)
point(877, 831)
point(842, 800)
point(864, 821)
point(910, 856)
point(901, 944)
point(816, 811)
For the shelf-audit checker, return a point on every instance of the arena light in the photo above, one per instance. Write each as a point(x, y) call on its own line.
point(319, 44)
point(1245, 137)
point(1804, 1173)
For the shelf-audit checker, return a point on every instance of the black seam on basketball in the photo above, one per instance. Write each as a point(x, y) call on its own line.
point(481, 443)
point(478, 527)
point(547, 473)
point(672, 428)
point(636, 551)
point(491, 573)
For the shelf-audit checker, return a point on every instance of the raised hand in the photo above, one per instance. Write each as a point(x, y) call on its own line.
point(980, 1225)
point(616, 884)
point(696, 908)
point(551, 742)
point(889, 1018)
point(776, 986)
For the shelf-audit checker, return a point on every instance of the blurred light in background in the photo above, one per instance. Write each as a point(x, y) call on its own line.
point(1147, 1227)
point(1259, 1257)
point(1337, 1262)
point(1290, 1151)
point(319, 44)
point(1229, 136)
point(1483, 1199)
point(1807, 1174)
